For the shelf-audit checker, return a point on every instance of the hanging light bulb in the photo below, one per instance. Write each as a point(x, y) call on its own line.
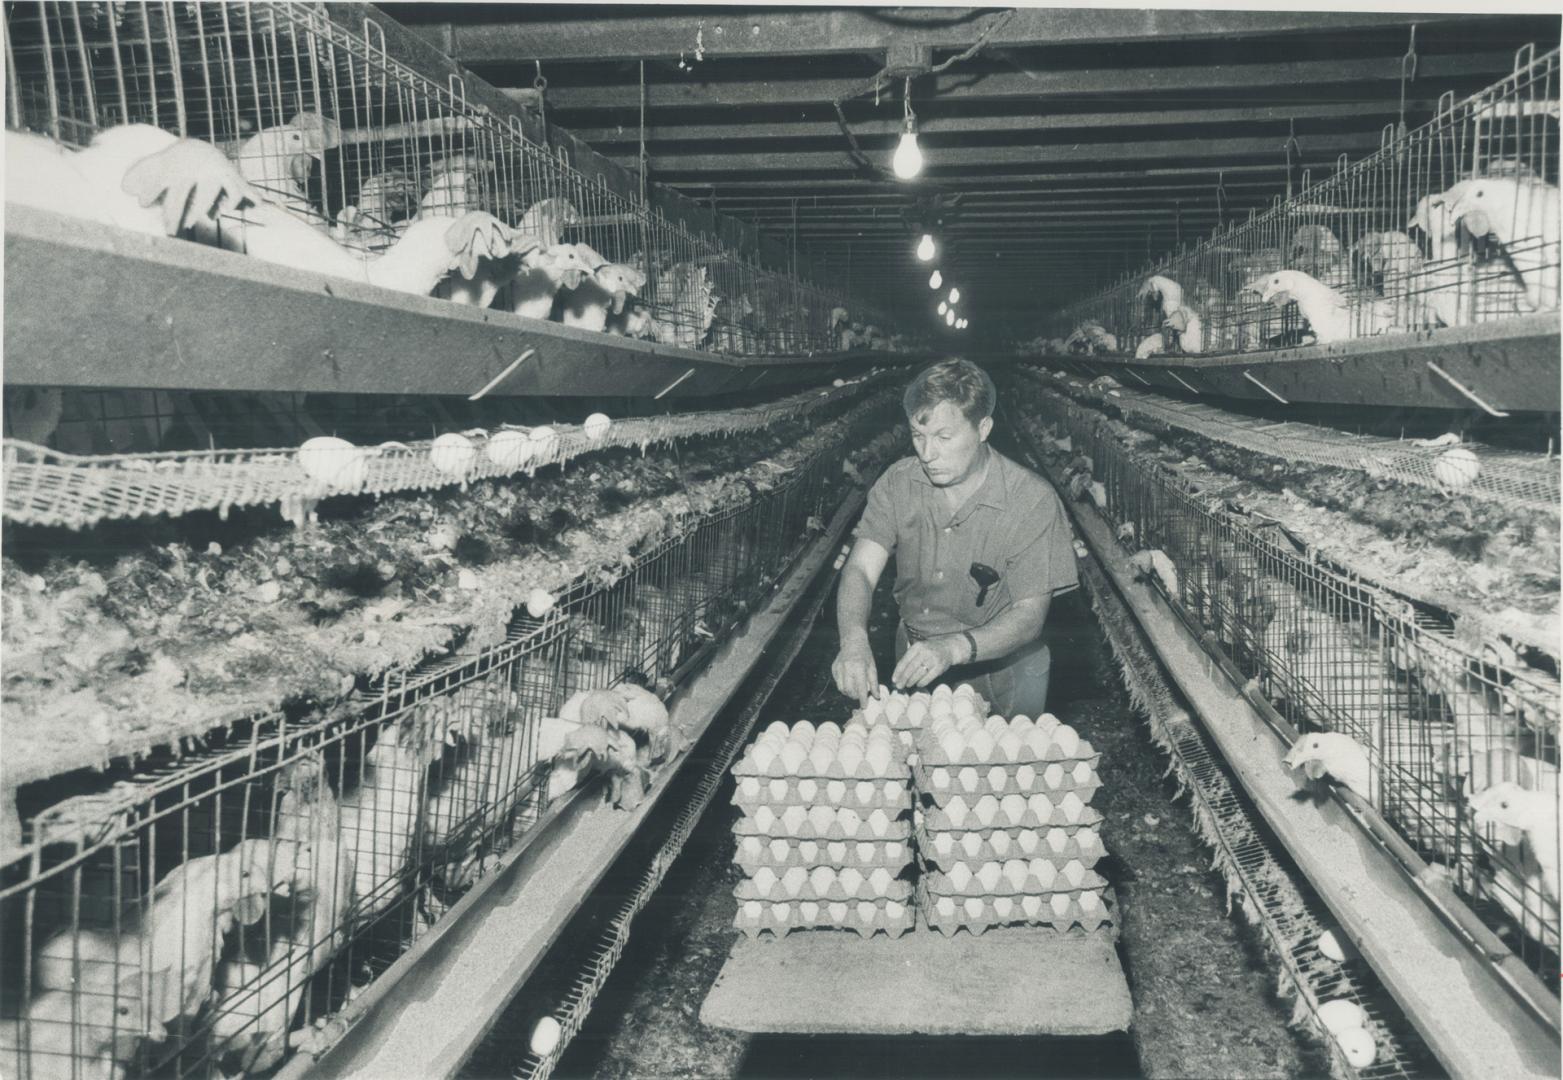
point(925, 249)
point(949, 318)
point(943, 307)
point(908, 159)
point(935, 280)
point(955, 296)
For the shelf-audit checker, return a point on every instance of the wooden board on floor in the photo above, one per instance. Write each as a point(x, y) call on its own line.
point(1008, 981)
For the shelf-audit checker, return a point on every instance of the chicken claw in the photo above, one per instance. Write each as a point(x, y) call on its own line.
point(193, 180)
point(477, 235)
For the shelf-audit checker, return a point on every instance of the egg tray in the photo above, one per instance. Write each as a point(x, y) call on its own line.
point(897, 889)
point(752, 792)
point(983, 914)
point(980, 780)
point(938, 883)
point(896, 828)
point(892, 854)
point(930, 753)
point(1059, 843)
point(935, 819)
point(864, 917)
point(897, 769)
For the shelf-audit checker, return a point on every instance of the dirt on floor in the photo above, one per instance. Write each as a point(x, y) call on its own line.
point(1204, 996)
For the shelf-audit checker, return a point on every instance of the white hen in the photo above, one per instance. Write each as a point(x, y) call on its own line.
point(1330, 315)
point(1522, 212)
point(1333, 754)
point(1510, 807)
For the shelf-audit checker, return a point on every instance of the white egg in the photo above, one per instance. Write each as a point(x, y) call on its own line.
point(864, 791)
point(988, 875)
point(952, 745)
point(879, 822)
point(545, 440)
point(1038, 740)
point(780, 849)
point(973, 907)
point(1040, 805)
point(803, 731)
point(963, 708)
point(821, 818)
point(1031, 904)
point(987, 809)
point(835, 790)
point(838, 912)
point(895, 708)
point(968, 778)
point(750, 847)
point(971, 843)
point(1456, 467)
point(749, 786)
point(1072, 807)
point(1020, 725)
point(895, 910)
point(793, 819)
point(753, 909)
point(1082, 773)
point(793, 755)
point(879, 881)
point(997, 778)
point(865, 852)
point(453, 454)
point(1014, 807)
point(596, 426)
point(866, 911)
point(809, 910)
point(1053, 775)
point(944, 842)
point(334, 462)
point(850, 820)
point(546, 1036)
point(917, 713)
point(1057, 840)
point(851, 757)
point(1066, 739)
point(777, 790)
point(793, 879)
point(1028, 840)
point(879, 758)
point(763, 817)
point(829, 730)
point(508, 449)
point(1042, 870)
point(1025, 777)
point(777, 729)
point(943, 691)
point(873, 711)
point(1074, 873)
point(1358, 1047)
point(763, 756)
point(821, 758)
point(956, 811)
point(1015, 873)
point(1010, 746)
point(999, 840)
point(781, 912)
point(895, 791)
point(1330, 946)
point(995, 727)
point(982, 745)
point(539, 602)
point(1003, 905)
point(1047, 722)
point(939, 709)
point(1340, 1015)
point(807, 789)
point(945, 906)
point(960, 876)
point(808, 850)
point(764, 880)
point(1059, 902)
point(1090, 900)
point(821, 878)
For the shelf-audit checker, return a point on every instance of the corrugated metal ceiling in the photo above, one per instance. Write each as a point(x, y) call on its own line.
point(1075, 144)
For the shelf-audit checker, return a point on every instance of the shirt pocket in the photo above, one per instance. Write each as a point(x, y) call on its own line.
point(997, 599)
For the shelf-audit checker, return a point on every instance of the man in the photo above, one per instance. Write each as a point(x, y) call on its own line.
point(981, 545)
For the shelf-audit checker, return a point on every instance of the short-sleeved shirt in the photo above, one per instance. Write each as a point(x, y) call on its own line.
point(1014, 523)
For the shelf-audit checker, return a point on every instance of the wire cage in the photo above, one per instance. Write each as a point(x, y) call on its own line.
point(208, 913)
point(1451, 224)
point(1450, 728)
point(332, 130)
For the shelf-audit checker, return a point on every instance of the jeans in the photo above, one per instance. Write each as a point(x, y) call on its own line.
point(1014, 685)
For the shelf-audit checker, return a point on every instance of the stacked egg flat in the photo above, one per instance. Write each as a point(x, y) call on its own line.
point(908, 714)
point(1004, 830)
point(825, 831)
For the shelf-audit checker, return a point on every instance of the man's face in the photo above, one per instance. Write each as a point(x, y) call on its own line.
point(948, 444)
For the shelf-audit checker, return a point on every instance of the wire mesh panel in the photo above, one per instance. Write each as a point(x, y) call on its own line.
point(1461, 739)
point(1453, 223)
point(319, 124)
point(211, 912)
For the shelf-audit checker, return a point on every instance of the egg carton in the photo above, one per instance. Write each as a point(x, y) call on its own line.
point(865, 917)
point(986, 743)
point(943, 782)
point(1040, 811)
point(1067, 913)
point(1059, 842)
point(1013, 877)
point(910, 713)
point(824, 823)
point(824, 883)
point(780, 853)
point(752, 792)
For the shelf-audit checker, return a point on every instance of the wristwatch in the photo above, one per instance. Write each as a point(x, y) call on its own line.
point(973, 643)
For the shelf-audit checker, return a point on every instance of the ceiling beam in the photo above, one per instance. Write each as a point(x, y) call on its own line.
point(1303, 77)
point(742, 186)
point(603, 137)
point(822, 32)
point(708, 159)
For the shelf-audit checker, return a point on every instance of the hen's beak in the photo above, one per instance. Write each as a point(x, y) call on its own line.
point(1314, 769)
point(618, 302)
point(300, 167)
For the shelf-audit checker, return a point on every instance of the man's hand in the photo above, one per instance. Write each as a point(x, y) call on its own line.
point(854, 672)
point(926, 660)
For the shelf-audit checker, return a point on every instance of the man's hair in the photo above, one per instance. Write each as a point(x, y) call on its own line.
point(960, 382)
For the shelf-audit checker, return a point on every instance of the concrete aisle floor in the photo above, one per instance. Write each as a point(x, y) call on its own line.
point(1204, 997)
